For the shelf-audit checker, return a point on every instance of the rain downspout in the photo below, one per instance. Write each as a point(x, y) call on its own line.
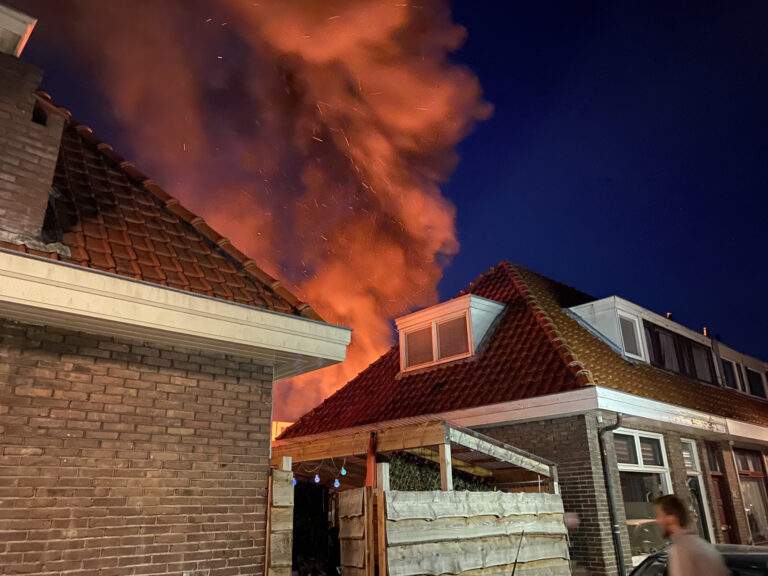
point(615, 529)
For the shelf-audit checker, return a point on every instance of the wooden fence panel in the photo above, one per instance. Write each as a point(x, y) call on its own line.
point(280, 524)
point(475, 534)
point(353, 531)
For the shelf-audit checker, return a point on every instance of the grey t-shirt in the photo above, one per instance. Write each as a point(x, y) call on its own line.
point(690, 555)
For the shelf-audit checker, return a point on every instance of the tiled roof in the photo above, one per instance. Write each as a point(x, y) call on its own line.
point(113, 218)
point(536, 349)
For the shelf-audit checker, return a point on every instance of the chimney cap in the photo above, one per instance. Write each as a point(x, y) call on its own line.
point(15, 29)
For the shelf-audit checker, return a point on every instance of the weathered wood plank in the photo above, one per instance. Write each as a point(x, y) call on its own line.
point(370, 542)
point(351, 503)
point(442, 529)
point(353, 553)
point(282, 488)
point(437, 558)
point(280, 571)
point(438, 504)
point(352, 571)
point(446, 468)
point(352, 528)
point(381, 522)
point(281, 549)
point(498, 450)
point(552, 567)
point(356, 443)
point(281, 519)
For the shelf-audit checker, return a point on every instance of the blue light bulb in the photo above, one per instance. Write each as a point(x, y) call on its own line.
point(336, 483)
point(343, 471)
point(317, 479)
point(294, 482)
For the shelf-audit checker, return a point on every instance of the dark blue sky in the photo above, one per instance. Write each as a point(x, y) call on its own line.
point(628, 155)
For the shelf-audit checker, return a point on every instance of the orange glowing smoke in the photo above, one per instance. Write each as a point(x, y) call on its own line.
point(313, 134)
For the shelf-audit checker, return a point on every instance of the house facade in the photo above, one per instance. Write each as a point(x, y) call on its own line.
point(138, 353)
point(627, 403)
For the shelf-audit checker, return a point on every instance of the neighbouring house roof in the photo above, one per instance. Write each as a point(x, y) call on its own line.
point(536, 349)
point(113, 218)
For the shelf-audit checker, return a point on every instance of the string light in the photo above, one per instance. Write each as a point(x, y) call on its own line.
point(336, 483)
point(343, 471)
point(294, 482)
point(317, 479)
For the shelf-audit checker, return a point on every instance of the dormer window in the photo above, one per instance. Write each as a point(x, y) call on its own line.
point(447, 331)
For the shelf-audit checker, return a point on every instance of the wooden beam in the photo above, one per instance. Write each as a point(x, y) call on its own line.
point(446, 469)
point(500, 451)
point(434, 456)
point(347, 443)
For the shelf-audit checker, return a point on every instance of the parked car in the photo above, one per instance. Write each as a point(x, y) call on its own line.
point(740, 560)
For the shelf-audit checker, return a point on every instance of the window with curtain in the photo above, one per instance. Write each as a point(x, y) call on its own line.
point(755, 382)
point(678, 354)
point(729, 374)
point(452, 338)
point(418, 347)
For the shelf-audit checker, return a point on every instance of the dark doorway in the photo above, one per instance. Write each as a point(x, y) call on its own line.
point(315, 538)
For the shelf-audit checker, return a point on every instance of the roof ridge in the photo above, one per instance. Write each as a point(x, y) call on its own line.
point(174, 206)
point(583, 376)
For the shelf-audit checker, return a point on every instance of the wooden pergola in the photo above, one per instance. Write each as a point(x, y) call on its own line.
point(453, 447)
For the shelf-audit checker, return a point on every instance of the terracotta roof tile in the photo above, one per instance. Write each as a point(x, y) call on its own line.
point(113, 218)
point(536, 349)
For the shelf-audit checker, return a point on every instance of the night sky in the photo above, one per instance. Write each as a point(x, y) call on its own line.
point(626, 154)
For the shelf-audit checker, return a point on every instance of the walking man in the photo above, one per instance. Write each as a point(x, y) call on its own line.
point(689, 555)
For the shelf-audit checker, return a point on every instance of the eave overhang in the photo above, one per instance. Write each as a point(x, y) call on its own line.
point(49, 292)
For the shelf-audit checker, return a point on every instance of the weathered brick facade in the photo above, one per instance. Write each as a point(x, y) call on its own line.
point(28, 149)
point(124, 458)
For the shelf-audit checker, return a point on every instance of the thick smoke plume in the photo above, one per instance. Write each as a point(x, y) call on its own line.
point(313, 134)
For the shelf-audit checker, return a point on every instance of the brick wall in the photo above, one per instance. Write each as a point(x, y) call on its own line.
point(28, 150)
point(118, 458)
point(572, 443)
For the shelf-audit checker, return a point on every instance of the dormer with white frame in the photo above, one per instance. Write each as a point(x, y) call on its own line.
point(644, 336)
point(445, 332)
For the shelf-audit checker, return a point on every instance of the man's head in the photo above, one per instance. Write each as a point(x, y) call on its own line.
point(671, 514)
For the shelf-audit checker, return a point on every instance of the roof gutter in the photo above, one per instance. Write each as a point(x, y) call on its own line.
point(49, 292)
point(615, 529)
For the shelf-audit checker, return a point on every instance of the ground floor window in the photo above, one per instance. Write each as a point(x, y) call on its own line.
point(752, 479)
point(644, 477)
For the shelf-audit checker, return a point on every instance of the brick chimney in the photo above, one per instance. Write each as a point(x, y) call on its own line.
point(30, 135)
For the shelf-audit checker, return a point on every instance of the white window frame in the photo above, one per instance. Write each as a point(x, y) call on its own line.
point(663, 471)
point(638, 335)
point(435, 342)
point(697, 473)
point(736, 374)
point(748, 388)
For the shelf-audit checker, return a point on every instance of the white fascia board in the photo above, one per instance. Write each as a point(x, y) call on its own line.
point(631, 405)
point(594, 398)
point(550, 406)
point(54, 293)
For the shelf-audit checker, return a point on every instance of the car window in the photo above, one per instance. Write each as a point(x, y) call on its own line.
point(747, 565)
point(653, 566)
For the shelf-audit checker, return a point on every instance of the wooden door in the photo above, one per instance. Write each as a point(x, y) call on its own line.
point(724, 509)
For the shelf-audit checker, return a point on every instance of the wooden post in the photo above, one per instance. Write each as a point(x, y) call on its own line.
point(446, 468)
point(370, 461)
point(370, 542)
point(382, 483)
